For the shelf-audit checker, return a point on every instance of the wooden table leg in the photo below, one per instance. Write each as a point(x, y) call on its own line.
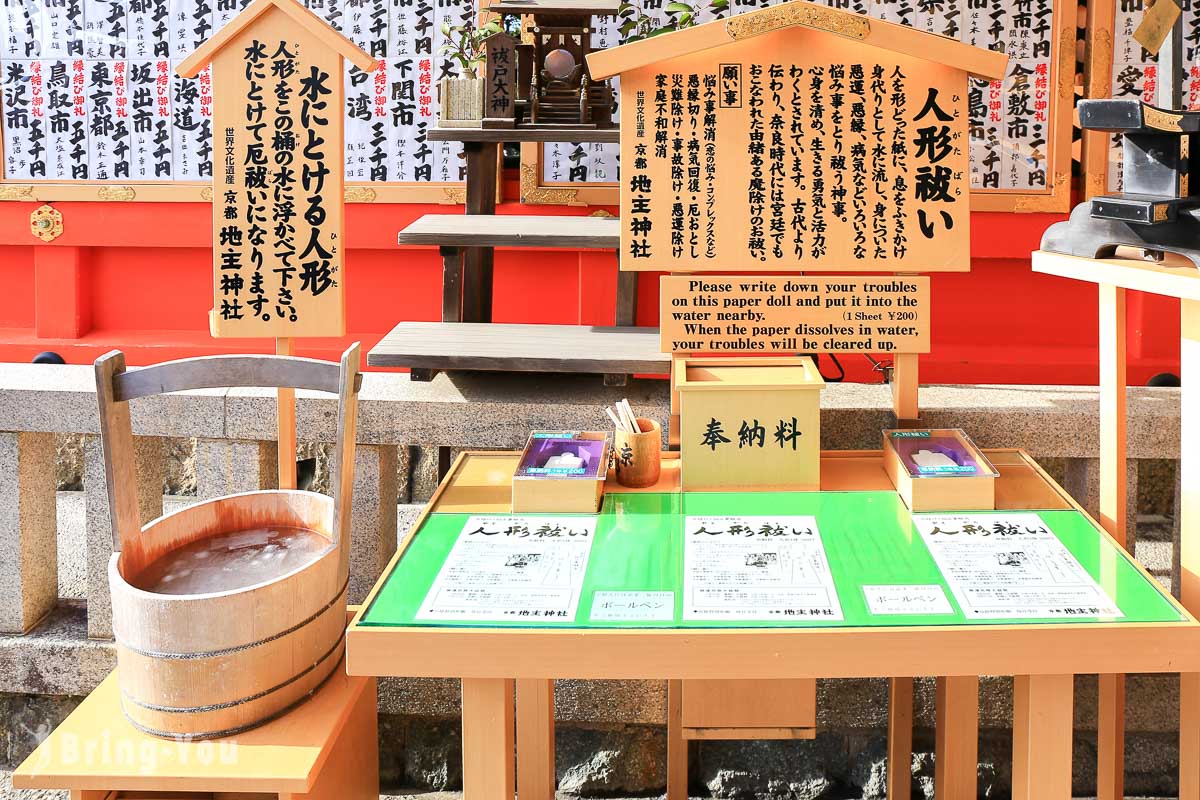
point(1189, 538)
point(1189, 736)
point(900, 722)
point(1110, 732)
point(1043, 727)
point(488, 746)
point(535, 739)
point(677, 746)
point(956, 746)
point(482, 176)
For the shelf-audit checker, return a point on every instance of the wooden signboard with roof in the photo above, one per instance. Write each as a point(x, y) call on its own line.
point(277, 181)
point(856, 132)
point(797, 138)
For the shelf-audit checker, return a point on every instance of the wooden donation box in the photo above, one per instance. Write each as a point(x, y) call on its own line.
point(749, 424)
point(795, 140)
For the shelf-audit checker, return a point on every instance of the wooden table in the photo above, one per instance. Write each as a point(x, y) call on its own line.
point(507, 669)
point(1173, 278)
point(325, 749)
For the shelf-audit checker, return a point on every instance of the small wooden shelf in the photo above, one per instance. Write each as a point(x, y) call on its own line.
point(501, 347)
point(564, 134)
point(324, 749)
point(461, 230)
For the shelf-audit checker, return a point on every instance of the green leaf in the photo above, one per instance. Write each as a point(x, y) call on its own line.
point(685, 19)
point(676, 7)
point(627, 26)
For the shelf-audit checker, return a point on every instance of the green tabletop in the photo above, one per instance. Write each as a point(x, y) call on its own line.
point(869, 539)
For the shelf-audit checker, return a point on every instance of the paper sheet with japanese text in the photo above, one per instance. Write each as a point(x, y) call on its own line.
point(742, 568)
point(508, 568)
point(1010, 566)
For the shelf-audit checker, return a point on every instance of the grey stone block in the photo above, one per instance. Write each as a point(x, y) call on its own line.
point(803, 770)
point(28, 530)
point(1082, 482)
point(231, 466)
point(148, 466)
point(29, 719)
point(434, 698)
point(611, 702)
point(433, 755)
point(56, 658)
point(625, 760)
point(868, 769)
point(373, 515)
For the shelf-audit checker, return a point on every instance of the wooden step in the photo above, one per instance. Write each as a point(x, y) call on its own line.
point(502, 347)
point(517, 230)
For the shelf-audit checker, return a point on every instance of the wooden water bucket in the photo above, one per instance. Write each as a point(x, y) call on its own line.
point(209, 665)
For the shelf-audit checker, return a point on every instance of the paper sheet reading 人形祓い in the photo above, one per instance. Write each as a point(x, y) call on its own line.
point(510, 568)
point(747, 568)
point(1010, 566)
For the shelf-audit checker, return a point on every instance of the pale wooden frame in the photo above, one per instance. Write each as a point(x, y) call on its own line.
point(1056, 198)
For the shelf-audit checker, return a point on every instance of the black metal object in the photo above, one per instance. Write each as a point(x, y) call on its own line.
point(1158, 211)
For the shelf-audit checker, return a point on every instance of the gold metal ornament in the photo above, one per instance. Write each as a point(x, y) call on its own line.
point(359, 194)
point(120, 194)
point(831, 20)
point(46, 223)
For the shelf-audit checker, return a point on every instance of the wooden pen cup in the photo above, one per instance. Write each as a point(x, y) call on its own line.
point(638, 456)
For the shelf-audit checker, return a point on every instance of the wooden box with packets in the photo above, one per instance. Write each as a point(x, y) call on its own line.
point(561, 472)
point(939, 470)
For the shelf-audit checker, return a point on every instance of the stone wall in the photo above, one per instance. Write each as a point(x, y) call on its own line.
point(610, 738)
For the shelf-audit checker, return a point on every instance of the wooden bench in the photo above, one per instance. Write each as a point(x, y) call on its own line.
point(522, 348)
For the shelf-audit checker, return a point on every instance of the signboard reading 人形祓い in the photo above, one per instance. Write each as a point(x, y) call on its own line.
point(764, 142)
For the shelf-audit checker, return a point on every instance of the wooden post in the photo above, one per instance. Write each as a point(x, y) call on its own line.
point(488, 746)
point(900, 722)
point(482, 180)
point(535, 739)
point(1110, 733)
point(677, 746)
point(1189, 736)
point(286, 413)
point(1042, 737)
point(452, 283)
point(956, 745)
point(905, 382)
point(627, 297)
point(1189, 539)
